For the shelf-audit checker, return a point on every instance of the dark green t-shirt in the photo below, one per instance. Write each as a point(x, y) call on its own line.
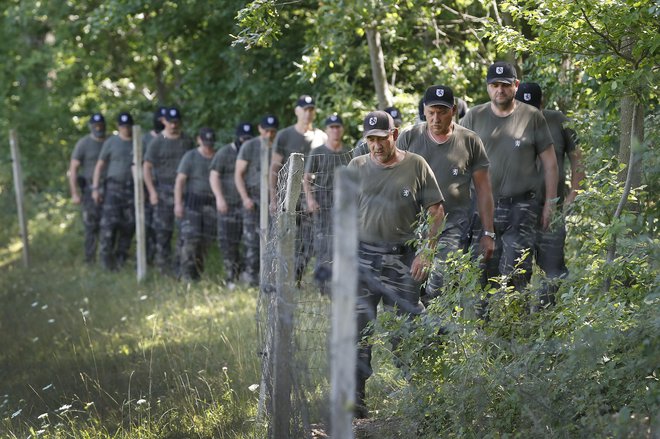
point(250, 151)
point(164, 155)
point(321, 163)
point(118, 157)
point(224, 163)
point(87, 152)
point(289, 141)
point(390, 198)
point(563, 138)
point(452, 162)
point(512, 143)
point(196, 168)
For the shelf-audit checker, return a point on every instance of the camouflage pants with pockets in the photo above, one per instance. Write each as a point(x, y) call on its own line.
point(117, 224)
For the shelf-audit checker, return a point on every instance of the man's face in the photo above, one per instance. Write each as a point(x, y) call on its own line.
point(382, 148)
point(306, 115)
point(125, 131)
point(267, 133)
point(502, 94)
point(172, 127)
point(334, 132)
point(97, 129)
point(439, 118)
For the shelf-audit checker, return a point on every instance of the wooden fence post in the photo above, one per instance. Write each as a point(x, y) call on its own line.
point(138, 185)
point(18, 186)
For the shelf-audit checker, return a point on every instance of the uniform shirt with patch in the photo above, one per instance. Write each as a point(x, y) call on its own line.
point(321, 163)
point(390, 198)
point(251, 152)
point(87, 152)
point(452, 162)
point(512, 144)
point(196, 168)
point(118, 157)
point(289, 141)
point(164, 155)
point(224, 163)
point(563, 138)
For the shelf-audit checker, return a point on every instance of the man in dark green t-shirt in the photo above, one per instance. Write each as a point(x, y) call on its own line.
point(458, 160)
point(515, 136)
point(84, 157)
point(118, 211)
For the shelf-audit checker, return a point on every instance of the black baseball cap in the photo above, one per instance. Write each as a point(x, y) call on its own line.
point(333, 119)
point(501, 71)
point(96, 118)
point(160, 112)
point(439, 95)
point(124, 119)
point(530, 93)
point(244, 129)
point(305, 101)
point(378, 123)
point(396, 115)
point(269, 122)
point(207, 135)
point(173, 113)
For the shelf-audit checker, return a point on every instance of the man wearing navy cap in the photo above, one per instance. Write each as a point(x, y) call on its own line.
point(116, 196)
point(394, 186)
point(160, 164)
point(83, 159)
point(228, 202)
point(318, 184)
point(458, 160)
point(247, 177)
point(515, 136)
point(361, 146)
point(299, 138)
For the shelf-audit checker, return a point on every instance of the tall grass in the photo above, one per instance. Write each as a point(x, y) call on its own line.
point(87, 353)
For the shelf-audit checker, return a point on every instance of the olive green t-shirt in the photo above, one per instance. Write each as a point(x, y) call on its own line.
point(563, 138)
point(87, 152)
point(289, 141)
point(224, 163)
point(164, 155)
point(390, 198)
point(118, 157)
point(452, 162)
point(512, 143)
point(196, 168)
point(251, 152)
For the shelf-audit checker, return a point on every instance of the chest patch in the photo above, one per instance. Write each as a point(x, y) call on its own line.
point(405, 192)
point(454, 172)
point(517, 143)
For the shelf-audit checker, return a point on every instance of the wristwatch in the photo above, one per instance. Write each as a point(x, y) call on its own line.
point(489, 234)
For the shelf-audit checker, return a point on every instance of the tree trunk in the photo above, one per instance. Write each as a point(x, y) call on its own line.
point(631, 136)
point(378, 69)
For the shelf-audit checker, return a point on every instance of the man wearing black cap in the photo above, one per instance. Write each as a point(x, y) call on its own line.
point(549, 248)
point(83, 158)
point(361, 147)
point(160, 165)
point(458, 160)
point(228, 201)
point(318, 184)
point(118, 211)
point(247, 178)
point(514, 135)
point(299, 138)
point(394, 186)
point(194, 205)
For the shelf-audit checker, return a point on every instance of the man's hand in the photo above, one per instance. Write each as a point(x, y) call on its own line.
point(486, 247)
point(153, 198)
point(75, 199)
point(178, 210)
point(221, 205)
point(96, 196)
point(248, 204)
point(548, 211)
point(420, 267)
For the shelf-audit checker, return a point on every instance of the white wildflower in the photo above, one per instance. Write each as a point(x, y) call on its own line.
point(253, 387)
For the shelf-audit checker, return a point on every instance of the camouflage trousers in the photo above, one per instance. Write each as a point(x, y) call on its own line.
point(549, 254)
point(384, 274)
point(323, 248)
point(91, 216)
point(163, 224)
point(304, 243)
point(198, 231)
point(117, 224)
point(230, 232)
point(252, 242)
point(150, 232)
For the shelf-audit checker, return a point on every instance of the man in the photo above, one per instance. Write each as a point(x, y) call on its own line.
point(160, 165)
point(318, 184)
point(301, 137)
point(194, 205)
point(83, 158)
point(549, 248)
point(118, 211)
point(394, 186)
point(361, 147)
point(247, 177)
point(458, 160)
point(228, 202)
point(515, 136)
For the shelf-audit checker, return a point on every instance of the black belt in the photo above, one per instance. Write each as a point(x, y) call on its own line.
point(392, 248)
point(530, 195)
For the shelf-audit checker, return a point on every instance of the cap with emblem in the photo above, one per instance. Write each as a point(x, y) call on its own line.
point(439, 95)
point(334, 119)
point(173, 113)
point(124, 119)
point(244, 129)
point(97, 118)
point(530, 93)
point(501, 71)
point(396, 115)
point(305, 101)
point(269, 122)
point(207, 135)
point(378, 123)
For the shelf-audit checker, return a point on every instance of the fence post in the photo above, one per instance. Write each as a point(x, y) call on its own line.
point(138, 184)
point(18, 186)
point(343, 345)
point(284, 300)
point(263, 207)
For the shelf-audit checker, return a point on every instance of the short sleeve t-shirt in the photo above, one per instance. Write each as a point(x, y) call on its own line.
point(196, 168)
point(321, 164)
point(289, 141)
point(250, 151)
point(87, 152)
point(118, 157)
point(452, 162)
point(512, 143)
point(224, 163)
point(390, 198)
point(563, 138)
point(164, 155)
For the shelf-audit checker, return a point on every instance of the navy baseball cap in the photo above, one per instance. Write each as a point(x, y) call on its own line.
point(173, 113)
point(207, 135)
point(501, 71)
point(160, 112)
point(439, 95)
point(396, 115)
point(244, 129)
point(305, 101)
point(97, 118)
point(334, 119)
point(530, 93)
point(269, 122)
point(378, 123)
point(124, 119)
